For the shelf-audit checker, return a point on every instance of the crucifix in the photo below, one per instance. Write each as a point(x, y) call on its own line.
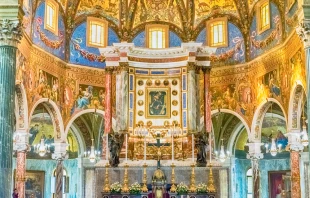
point(159, 147)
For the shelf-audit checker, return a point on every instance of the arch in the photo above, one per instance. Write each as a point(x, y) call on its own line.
point(21, 108)
point(101, 112)
point(258, 117)
point(55, 114)
point(295, 106)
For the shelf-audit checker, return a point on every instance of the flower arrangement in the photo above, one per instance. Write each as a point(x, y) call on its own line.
point(135, 188)
point(116, 187)
point(201, 188)
point(182, 188)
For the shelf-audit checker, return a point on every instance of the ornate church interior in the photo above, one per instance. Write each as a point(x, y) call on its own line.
point(154, 98)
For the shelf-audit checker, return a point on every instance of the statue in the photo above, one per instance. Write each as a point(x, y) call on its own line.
point(201, 145)
point(116, 141)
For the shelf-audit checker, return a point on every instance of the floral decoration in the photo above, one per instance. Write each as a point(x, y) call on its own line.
point(201, 188)
point(182, 188)
point(236, 52)
point(45, 39)
point(85, 54)
point(135, 188)
point(116, 187)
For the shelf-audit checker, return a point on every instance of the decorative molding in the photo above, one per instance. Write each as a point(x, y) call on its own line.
point(303, 31)
point(10, 32)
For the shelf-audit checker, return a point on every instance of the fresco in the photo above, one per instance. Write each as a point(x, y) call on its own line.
point(110, 8)
point(54, 44)
point(291, 18)
point(69, 96)
point(260, 43)
point(89, 96)
point(41, 127)
point(154, 10)
point(234, 53)
point(73, 147)
point(81, 54)
point(204, 9)
point(27, 8)
point(47, 86)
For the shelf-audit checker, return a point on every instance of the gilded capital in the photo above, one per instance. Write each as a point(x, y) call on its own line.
point(10, 32)
point(123, 66)
point(206, 70)
point(303, 31)
point(191, 66)
point(109, 70)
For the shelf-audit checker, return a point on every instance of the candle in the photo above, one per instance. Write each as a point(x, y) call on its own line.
point(172, 153)
point(107, 147)
point(210, 148)
point(144, 132)
point(126, 146)
point(193, 147)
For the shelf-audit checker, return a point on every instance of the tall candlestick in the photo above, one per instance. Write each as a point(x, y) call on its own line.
point(210, 148)
point(144, 148)
point(193, 147)
point(126, 146)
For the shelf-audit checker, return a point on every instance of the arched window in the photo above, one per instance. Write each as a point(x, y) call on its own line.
point(217, 29)
point(51, 16)
point(263, 16)
point(65, 184)
point(97, 32)
point(249, 180)
point(157, 36)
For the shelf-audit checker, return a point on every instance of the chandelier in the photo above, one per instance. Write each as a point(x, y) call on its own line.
point(93, 154)
point(222, 155)
point(304, 134)
point(42, 148)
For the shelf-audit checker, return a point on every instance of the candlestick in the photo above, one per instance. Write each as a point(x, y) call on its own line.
point(193, 147)
point(210, 147)
point(107, 147)
point(126, 146)
point(144, 148)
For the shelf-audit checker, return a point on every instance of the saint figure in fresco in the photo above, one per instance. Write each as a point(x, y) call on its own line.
point(157, 105)
point(33, 133)
point(86, 98)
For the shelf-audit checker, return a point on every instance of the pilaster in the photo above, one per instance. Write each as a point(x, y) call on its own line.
point(192, 96)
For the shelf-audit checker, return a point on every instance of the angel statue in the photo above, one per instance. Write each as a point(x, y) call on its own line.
point(116, 141)
point(201, 145)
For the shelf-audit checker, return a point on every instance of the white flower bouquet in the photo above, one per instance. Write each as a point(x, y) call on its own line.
point(135, 188)
point(201, 188)
point(182, 188)
point(116, 187)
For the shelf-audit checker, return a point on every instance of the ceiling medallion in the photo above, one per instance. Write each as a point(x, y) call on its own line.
point(174, 82)
point(140, 82)
point(149, 82)
point(140, 92)
point(140, 102)
point(174, 113)
point(174, 92)
point(157, 82)
point(174, 103)
point(166, 82)
point(140, 113)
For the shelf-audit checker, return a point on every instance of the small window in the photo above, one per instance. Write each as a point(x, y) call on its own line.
point(217, 29)
point(249, 176)
point(157, 36)
point(97, 32)
point(263, 16)
point(51, 16)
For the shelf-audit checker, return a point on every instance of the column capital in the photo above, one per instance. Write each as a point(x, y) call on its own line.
point(109, 70)
point(60, 152)
point(206, 70)
point(10, 32)
point(20, 141)
point(191, 66)
point(294, 141)
point(123, 66)
point(303, 31)
point(255, 151)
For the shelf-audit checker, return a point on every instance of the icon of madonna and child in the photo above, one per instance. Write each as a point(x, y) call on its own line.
point(157, 103)
point(91, 97)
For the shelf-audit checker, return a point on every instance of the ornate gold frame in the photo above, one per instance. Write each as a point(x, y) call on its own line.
point(166, 99)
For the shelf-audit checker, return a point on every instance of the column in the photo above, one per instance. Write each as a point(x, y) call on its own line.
point(255, 155)
point(108, 100)
point(60, 154)
point(207, 98)
point(10, 34)
point(192, 97)
point(295, 147)
point(20, 145)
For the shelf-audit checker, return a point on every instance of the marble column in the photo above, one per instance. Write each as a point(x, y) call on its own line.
point(10, 34)
point(207, 98)
point(192, 97)
point(295, 174)
point(255, 155)
point(108, 100)
point(60, 154)
point(122, 96)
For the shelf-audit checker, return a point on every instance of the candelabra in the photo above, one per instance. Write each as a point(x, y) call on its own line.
point(42, 148)
point(192, 187)
point(125, 188)
point(273, 148)
point(92, 154)
point(106, 179)
point(144, 187)
point(222, 155)
point(210, 186)
point(142, 132)
point(175, 132)
point(173, 187)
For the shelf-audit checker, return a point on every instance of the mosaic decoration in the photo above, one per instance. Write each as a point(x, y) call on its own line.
point(54, 44)
point(205, 9)
point(154, 10)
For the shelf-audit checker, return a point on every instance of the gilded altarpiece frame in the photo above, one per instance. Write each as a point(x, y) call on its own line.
point(157, 103)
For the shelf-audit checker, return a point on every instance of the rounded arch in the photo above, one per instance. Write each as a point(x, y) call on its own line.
point(21, 108)
point(295, 106)
point(55, 114)
point(259, 115)
point(75, 116)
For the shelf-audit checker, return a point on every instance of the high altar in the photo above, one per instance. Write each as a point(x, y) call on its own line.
point(158, 110)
